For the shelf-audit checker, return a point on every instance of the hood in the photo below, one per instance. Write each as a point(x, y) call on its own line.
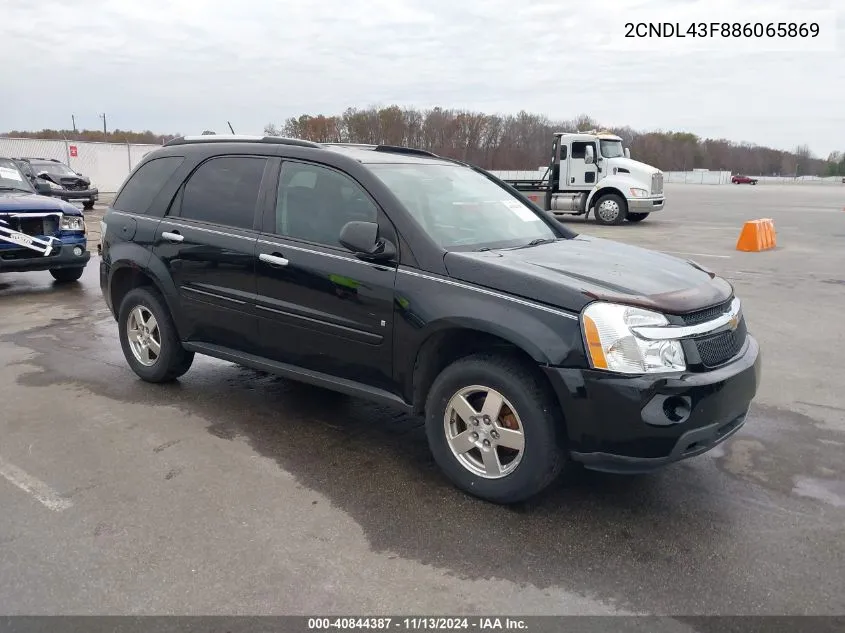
point(571, 273)
point(20, 202)
point(633, 166)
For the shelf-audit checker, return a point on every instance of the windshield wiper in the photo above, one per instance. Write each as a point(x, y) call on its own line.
point(541, 240)
point(481, 250)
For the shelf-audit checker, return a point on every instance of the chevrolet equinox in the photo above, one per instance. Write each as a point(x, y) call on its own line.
point(397, 275)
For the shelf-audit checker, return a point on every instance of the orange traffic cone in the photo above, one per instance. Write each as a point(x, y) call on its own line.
point(757, 235)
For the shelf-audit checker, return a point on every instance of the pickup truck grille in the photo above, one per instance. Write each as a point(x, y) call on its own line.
point(48, 225)
point(719, 348)
point(656, 184)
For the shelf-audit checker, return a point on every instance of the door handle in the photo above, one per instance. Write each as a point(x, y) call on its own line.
point(275, 259)
point(173, 236)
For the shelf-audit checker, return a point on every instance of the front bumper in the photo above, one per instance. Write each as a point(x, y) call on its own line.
point(646, 205)
point(85, 194)
point(642, 423)
point(28, 261)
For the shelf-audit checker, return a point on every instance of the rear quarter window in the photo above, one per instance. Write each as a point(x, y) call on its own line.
point(145, 184)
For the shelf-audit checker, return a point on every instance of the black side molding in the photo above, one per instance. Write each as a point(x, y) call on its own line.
point(319, 379)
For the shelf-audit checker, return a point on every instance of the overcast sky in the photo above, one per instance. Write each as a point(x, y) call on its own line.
point(188, 65)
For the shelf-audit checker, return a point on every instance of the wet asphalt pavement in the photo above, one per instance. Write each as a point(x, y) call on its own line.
point(237, 492)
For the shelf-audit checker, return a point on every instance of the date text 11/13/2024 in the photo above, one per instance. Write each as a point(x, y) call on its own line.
point(418, 623)
point(722, 29)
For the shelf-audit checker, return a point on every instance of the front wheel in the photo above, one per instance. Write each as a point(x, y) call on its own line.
point(611, 209)
point(149, 338)
point(88, 205)
point(66, 275)
point(636, 217)
point(494, 428)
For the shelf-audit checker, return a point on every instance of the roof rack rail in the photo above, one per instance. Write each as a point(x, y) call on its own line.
point(398, 149)
point(235, 138)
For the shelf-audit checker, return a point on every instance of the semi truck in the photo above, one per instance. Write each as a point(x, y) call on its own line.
point(593, 172)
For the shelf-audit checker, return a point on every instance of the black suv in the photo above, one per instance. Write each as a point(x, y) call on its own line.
point(425, 283)
point(65, 183)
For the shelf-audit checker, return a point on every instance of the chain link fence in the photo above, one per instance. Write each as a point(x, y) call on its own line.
point(106, 164)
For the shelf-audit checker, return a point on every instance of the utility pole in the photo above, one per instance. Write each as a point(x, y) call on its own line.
point(73, 118)
point(105, 131)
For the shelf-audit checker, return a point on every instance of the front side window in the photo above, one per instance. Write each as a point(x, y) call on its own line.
point(143, 185)
point(314, 203)
point(461, 209)
point(224, 191)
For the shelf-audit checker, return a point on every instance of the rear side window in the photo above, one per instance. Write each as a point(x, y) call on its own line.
point(224, 191)
point(138, 193)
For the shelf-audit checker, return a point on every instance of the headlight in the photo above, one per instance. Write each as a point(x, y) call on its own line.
point(72, 223)
point(613, 346)
point(54, 186)
point(639, 193)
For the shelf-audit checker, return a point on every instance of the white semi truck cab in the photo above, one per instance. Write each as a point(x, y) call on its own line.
point(593, 172)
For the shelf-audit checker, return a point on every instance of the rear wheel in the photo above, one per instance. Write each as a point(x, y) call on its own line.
point(66, 275)
point(636, 217)
point(149, 339)
point(610, 209)
point(494, 428)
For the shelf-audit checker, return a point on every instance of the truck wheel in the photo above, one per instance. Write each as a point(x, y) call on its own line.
point(610, 209)
point(149, 339)
point(494, 429)
point(66, 275)
point(636, 217)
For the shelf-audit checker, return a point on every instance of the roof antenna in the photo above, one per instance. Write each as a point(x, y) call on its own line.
point(230, 127)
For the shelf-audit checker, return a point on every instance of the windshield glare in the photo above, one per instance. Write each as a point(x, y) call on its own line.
point(11, 177)
point(461, 209)
point(53, 168)
point(611, 149)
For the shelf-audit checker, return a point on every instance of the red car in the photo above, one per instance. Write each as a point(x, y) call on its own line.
point(743, 180)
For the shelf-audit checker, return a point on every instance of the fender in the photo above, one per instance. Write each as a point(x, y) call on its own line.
point(427, 305)
point(125, 255)
point(619, 182)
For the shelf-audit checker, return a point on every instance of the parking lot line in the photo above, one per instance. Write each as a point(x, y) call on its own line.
point(696, 254)
point(35, 487)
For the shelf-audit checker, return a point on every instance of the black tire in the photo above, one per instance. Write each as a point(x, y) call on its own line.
point(88, 205)
point(636, 217)
point(67, 275)
point(544, 454)
point(174, 360)
point(620, 204)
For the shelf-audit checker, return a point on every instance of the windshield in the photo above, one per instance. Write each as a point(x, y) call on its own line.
point(52, 168)
point(11, 178)
point(611, 149)
point(461, 209)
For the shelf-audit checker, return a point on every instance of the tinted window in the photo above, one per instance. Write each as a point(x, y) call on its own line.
point(145, 183)
point(579, 149)
point(314, 203)
point(224, 191)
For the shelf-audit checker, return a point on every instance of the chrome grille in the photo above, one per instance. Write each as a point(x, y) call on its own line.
point(657, 183)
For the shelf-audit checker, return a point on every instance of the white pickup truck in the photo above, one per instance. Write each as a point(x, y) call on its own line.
point(591, 171)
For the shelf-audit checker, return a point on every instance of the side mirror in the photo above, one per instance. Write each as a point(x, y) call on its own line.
point(627, 153)
point(589, 155)
point(42, 187)
point(362, 239)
